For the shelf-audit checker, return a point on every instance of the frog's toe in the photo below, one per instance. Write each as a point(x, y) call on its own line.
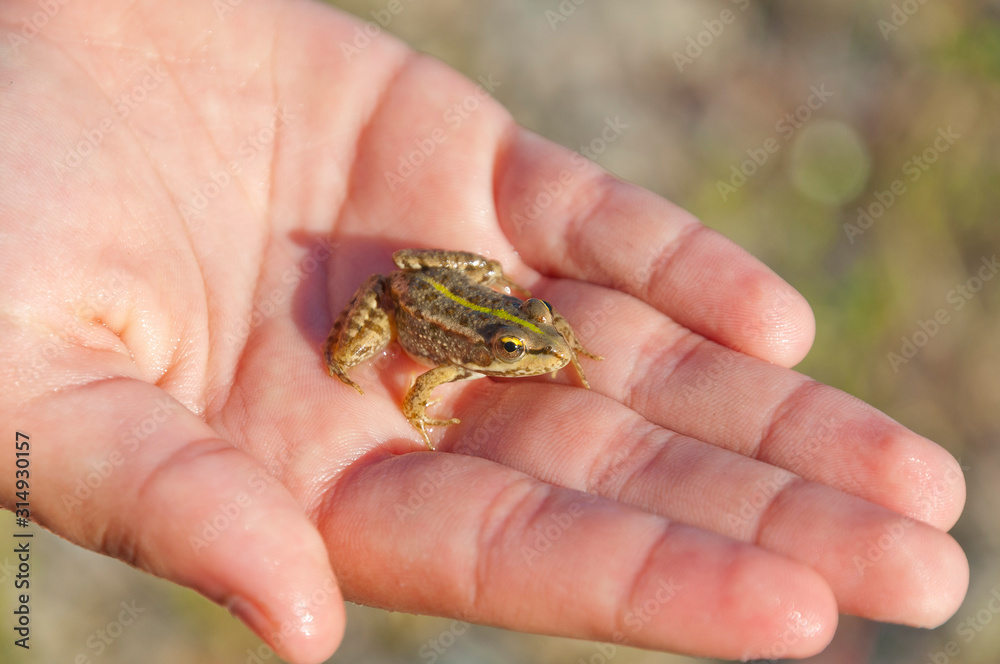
point(442, 423)
point(336, 372)
point(579, 372)
point(421, 424)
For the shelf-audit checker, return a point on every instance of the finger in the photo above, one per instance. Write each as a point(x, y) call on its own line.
point(121, 468)
point(880, 565)
point(568, 218)
point(691, 386)
point(463, 537)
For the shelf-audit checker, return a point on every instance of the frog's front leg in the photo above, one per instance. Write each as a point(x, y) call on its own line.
point(362, 329)
point(415, 402)
point(479, 269)
point(563, 327)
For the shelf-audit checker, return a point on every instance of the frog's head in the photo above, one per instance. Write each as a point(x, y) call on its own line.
point(529, 345)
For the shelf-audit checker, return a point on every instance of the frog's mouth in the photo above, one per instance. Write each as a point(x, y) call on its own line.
point(549, 359)
point(559, 358)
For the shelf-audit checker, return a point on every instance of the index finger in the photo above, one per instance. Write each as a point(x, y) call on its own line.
point(569, 218)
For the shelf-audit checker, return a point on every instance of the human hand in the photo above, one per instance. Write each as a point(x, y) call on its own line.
point(191, 196)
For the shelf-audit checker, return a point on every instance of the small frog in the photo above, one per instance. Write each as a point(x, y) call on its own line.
point(441, 309)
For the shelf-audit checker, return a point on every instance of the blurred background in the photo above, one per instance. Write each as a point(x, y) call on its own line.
point(853, 146)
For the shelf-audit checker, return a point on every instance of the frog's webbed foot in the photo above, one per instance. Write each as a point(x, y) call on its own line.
point(362, 329)
point(416, 401)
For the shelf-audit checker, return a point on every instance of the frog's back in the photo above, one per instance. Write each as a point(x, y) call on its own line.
point(442, 316)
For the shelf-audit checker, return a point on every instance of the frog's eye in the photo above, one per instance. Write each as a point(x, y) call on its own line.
point(537, 310)
point(508, 348)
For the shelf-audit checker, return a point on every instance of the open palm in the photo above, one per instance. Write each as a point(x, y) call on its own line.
point(191, 195)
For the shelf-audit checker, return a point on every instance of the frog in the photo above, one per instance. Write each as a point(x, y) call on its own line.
point(444, 309)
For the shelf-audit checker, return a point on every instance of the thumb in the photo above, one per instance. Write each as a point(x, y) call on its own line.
point(120, 467)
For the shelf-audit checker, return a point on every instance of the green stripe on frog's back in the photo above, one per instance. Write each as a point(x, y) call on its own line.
point(499, 313)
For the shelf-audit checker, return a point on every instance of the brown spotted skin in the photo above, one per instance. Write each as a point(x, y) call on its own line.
point(478, 269)
point(440, 308)
point(362, 329)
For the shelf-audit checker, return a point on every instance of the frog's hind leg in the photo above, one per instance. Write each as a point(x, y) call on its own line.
point(478, 269)
point(362, 329)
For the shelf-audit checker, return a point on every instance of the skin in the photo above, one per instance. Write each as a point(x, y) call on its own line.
point(700, 476)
